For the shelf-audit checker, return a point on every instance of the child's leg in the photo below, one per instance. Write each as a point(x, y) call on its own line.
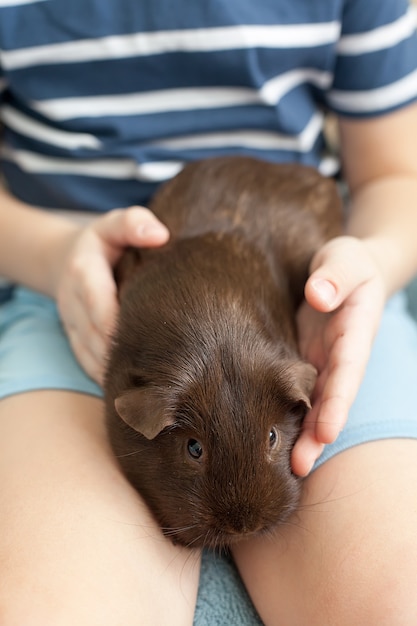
point(77, 545)
point(350, 554)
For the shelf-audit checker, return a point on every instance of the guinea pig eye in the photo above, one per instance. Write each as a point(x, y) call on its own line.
point(195, 449)
point(273, 437)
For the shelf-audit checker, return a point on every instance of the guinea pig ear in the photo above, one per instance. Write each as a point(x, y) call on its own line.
point(302, 377)
point(145, 409)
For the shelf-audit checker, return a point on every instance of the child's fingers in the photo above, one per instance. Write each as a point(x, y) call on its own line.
point(88, 309)
point(135, 226)
point(305, 453)
point(339, 268)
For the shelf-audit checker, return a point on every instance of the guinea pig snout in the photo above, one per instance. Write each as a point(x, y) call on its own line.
point(238, 518)
point(255, 508)
point(240, 521)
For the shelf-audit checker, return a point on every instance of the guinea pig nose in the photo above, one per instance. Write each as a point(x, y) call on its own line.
point(243, 529)
point(241, 523)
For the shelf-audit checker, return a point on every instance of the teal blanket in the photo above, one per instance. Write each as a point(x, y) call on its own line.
point(222, 599)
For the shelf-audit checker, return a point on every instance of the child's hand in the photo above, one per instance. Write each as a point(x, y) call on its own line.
point(345, 296)
point(85, 289)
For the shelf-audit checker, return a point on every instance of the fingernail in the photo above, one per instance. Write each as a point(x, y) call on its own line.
point(310, 468)
point(152, 231)
point(326, 290)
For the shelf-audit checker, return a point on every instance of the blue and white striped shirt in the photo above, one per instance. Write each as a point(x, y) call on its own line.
point(101, 100)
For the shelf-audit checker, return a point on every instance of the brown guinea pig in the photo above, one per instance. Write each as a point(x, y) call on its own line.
point(205, 389)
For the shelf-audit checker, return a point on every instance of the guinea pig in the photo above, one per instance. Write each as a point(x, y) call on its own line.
point(205, 389)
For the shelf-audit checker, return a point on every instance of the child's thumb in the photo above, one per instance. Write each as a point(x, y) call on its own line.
point(338, 269)
point(135, 226)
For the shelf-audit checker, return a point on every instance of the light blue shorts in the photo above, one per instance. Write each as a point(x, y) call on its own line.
point(35, 354)
point(34, 350)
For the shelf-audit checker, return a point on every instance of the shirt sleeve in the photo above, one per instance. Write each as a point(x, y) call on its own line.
point(2, 86)
point(376, 62)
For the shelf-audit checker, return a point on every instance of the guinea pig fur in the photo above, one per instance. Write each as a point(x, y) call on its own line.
point(205, 389)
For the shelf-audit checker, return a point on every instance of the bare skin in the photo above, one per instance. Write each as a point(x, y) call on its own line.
point(77, 543)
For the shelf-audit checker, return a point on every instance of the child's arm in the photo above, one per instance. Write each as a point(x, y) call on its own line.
point(73, 264)
point(378, 257)
point(380, 164)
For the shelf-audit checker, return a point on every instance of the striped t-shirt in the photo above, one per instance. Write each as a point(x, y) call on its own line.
point(102, 100)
